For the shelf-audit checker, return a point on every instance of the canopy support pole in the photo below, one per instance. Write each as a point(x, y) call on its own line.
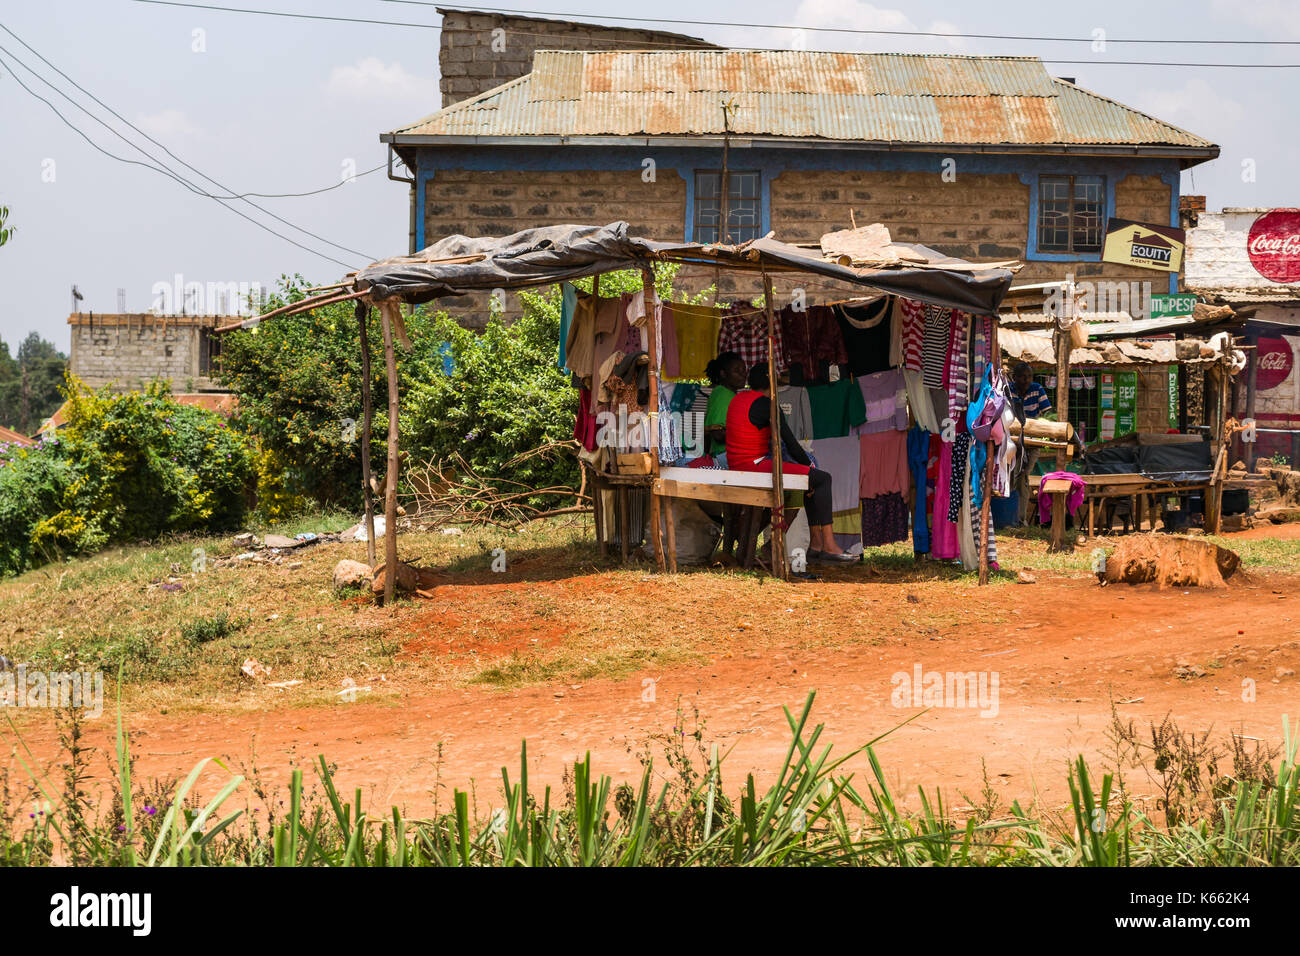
point(367, 418)
point(656, 503)
point(390, 476)
point(779, 564)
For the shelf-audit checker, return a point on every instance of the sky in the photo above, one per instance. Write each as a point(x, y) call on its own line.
point(275, 105)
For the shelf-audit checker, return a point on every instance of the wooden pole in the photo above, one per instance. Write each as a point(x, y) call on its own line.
point(1063, 343)
point(390, 476)
point(1252, 379)
point(986, 510)
point(367, 419)
point(652, 339)
point(779, 566)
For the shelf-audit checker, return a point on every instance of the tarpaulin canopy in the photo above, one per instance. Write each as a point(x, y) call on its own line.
point(457, 265)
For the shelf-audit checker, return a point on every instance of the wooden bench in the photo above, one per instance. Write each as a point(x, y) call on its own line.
point(745, 495)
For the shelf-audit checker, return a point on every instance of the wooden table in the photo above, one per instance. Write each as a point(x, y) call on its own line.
point(1138, 489)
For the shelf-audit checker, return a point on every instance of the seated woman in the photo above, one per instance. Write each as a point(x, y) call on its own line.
point(749, 448)
point(727, 374)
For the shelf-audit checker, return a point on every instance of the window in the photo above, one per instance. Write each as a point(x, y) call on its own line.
point(744, 205)
point(209, 352)
point(1071, 213)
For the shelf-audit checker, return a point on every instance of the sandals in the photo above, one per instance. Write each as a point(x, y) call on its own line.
point(829, 558)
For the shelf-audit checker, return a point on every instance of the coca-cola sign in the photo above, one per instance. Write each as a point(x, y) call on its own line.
point(1274, 363)
point(1274, 245)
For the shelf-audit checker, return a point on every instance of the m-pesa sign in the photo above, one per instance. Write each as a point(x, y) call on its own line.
point(1274, 245)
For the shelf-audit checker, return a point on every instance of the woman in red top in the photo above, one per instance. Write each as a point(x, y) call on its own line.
point(749, 448)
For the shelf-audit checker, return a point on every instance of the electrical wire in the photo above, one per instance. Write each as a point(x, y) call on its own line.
point(164, 169)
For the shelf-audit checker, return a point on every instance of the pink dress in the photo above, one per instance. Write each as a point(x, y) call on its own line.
point(943, 533)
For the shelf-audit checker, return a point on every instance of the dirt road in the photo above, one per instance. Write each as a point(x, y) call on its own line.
point(1061, 649)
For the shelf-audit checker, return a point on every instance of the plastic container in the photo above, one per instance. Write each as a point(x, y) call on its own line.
point(1005, 511)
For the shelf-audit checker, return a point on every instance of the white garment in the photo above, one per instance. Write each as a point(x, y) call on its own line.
point(918, 398)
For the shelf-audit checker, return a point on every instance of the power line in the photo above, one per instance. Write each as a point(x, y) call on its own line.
point(187, 165)
point(156, 169)
point(642, 44)
point(810, 29)
point(293, 16)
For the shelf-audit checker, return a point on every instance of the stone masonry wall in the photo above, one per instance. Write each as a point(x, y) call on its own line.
point(469, 64)
point(475, 203)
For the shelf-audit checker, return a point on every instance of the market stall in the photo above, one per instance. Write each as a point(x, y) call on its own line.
point(926, 320)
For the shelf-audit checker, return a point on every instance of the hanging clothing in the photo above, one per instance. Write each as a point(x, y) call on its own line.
point(836, 408)
point(970, 559)
point(744, 331)
point(793, 400)
point(991, 542)
point(882, 463)
point(866, 333)
point(943, 533)
point(884, 396)
point(912, 315)
point(918, 399)
point(934, 346)
point(613, 334)
point(841, 457)
point(810, 338)
point(670, 439)
point(584, 425)
point(695, 329)
point(1073, 500)
point(583, 332)
point(960, 461)
point(918, 453)
point(568, 304)
point(957, 378)
point(884, 520)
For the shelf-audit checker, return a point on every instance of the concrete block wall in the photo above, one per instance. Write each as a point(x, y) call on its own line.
point(474, 58)
point(127, 357)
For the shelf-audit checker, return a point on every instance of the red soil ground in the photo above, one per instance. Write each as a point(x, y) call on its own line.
point(1064, 650)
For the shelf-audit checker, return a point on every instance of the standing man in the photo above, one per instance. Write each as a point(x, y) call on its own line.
point(1034, 401)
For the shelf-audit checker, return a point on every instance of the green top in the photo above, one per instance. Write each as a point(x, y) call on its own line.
point(716, 414)
point(836, 408)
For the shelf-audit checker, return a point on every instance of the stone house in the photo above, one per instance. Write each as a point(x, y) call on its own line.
point(979, 157)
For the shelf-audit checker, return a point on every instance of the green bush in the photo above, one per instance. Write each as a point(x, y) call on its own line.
point(124, 467)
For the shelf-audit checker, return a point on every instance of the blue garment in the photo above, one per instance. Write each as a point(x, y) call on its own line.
point(1035, 400)
point(568, 304)
point(978, 456)
point(918, 457)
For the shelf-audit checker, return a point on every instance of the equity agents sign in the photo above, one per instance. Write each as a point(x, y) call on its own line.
point(1274, 245)
point(1144, 245)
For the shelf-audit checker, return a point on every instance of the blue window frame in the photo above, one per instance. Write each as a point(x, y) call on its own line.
point(744, 205)
point(1071, 214)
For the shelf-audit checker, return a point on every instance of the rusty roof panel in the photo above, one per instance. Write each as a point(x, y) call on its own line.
point(902, 98)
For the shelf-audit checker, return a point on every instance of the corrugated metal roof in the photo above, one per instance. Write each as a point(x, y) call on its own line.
point(897, 97)
point(1038, 349)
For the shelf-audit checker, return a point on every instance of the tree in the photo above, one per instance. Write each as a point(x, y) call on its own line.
point(30, 384)
point(6, 232)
